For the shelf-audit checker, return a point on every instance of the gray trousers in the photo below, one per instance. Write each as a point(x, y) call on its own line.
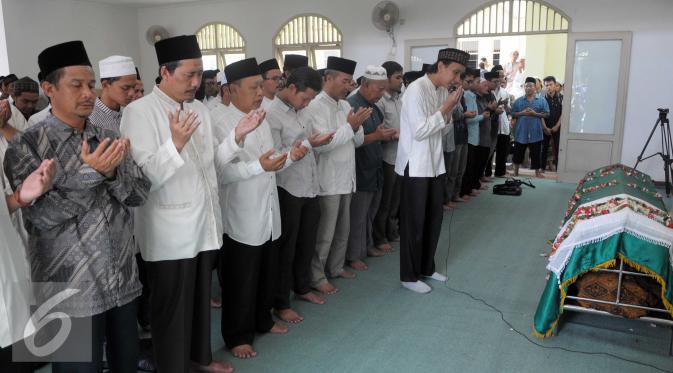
point(363, 209)
point(330, 249)
point(458, 165)
point(386, 220)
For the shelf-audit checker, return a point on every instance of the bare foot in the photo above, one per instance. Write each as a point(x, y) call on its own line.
point(312, 297)
point(447, 207)
point(538, 174)
point(386, 248)
point(243, 352)
point(215, 303)
point(214, 367)
point(374, 252)
point(279, 328)
point(347, 275)
point(327, 288)
point(358, 265)
point(289, 315)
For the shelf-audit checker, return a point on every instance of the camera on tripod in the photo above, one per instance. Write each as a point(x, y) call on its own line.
point(663, 112)
point(666, 148)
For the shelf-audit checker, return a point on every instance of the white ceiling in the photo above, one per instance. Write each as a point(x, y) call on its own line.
point(140, 2)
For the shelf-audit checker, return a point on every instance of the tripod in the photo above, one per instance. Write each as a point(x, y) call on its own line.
point(666, 147)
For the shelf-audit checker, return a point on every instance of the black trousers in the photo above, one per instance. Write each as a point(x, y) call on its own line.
point(118, 328)
point(385, 226)
point(520, 151)
point(7, 365)
point(546, 142)
point(300, 218)
point(180, 311)
point(248, 275)
point(144, 299)
point(501, 153)
point(421, 215)
point(477, 157)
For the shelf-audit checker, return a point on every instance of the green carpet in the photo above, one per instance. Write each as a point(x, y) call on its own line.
point(493, 245)
point(374, 325)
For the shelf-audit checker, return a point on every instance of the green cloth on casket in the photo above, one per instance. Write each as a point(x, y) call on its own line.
point(643, 254)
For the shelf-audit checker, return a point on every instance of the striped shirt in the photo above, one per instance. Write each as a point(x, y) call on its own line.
point(81, 230)
point(106, 118)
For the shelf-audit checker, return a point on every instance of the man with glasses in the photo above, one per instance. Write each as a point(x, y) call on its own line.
point(272, 78)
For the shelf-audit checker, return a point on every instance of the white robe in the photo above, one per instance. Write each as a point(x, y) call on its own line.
point(422, 127)
point(248, 194)
point(15, 285)
point(182, 215)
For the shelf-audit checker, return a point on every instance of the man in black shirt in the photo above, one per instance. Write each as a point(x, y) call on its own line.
point(552, 129)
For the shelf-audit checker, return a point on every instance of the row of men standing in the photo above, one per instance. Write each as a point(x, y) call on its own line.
point(195, 185)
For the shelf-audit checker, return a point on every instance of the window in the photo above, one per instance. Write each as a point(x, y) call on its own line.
point(513, 17)
point(496, 52)
point(471, 47)
point(220, 45)
point(313, 36)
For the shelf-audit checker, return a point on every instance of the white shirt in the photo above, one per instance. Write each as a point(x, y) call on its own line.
point(266, 102)
point(336, 160)
point(422, 126)
point(39, 116)
point(503, 119)
point(390, 106)
point(17, 120)
point(182, 215)
point(15, 286)
point(211, 102)
point(248, 195)
point(288, 127)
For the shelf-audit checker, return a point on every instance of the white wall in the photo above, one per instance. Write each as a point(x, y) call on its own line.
point(650, 78)
point(32, 25)
point(4, 62)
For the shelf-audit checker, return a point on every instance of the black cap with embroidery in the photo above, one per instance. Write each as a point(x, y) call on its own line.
point(455, 55)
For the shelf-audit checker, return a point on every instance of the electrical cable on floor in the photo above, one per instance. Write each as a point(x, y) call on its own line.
point(523, 335)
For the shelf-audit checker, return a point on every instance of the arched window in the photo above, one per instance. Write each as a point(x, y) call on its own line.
point(310, 35)
point(512, 17)
point(220, 45)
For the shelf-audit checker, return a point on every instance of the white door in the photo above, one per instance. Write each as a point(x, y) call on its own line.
point(594, 103)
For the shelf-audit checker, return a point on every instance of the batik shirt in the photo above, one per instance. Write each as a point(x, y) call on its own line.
point(81, 230)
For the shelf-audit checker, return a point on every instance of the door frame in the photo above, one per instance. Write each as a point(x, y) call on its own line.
point(617, 137)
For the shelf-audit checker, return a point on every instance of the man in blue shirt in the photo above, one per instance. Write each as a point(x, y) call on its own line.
point(529, 112)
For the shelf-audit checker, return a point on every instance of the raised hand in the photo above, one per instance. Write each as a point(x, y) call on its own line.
point(385, 134)
point(270, 163)
point(356, 118)
point(249, 123)
point(320, 139)
point(5, 112)
point(182, 130)
point(298, 152)
point(451, 101)
point(107, 156)
point(38, 182)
